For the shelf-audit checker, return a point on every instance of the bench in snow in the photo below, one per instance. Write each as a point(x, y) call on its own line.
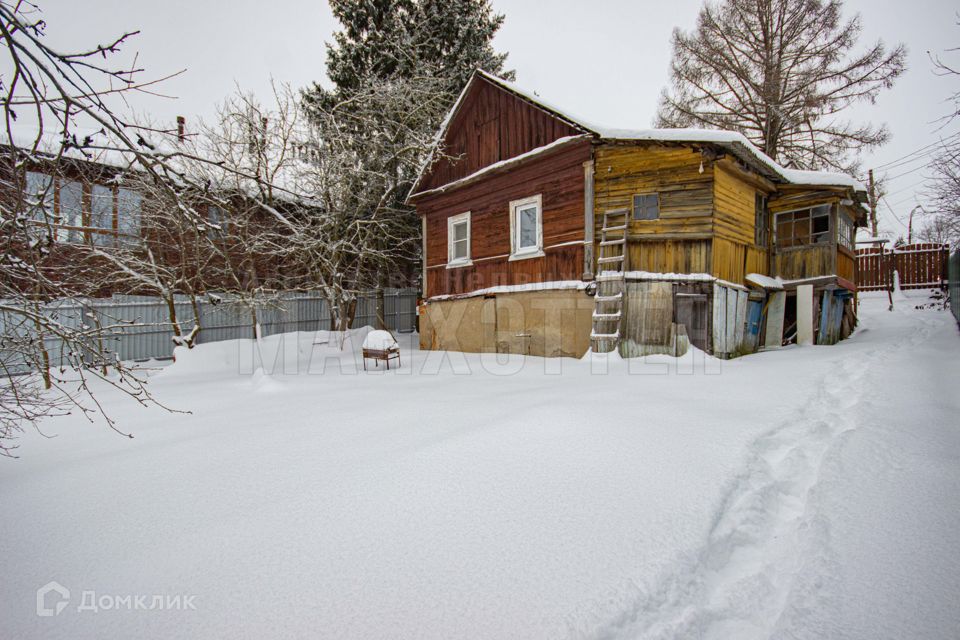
point(380, 346)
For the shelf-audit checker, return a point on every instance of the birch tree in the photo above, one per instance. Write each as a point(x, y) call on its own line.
point(784, 73)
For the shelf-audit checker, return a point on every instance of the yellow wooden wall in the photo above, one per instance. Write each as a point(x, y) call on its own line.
point(819, 260)
point(846, 265)
point(735, 252)
point(707, 213)
point(670, 256)
point(680, 240)
point(622, 171)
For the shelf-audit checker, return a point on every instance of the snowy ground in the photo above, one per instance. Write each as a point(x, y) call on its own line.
point(804, 493)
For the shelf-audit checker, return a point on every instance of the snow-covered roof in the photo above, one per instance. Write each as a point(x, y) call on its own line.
point(736, 143)
point(49, 143)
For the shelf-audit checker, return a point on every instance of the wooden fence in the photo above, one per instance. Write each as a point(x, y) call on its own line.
point(919, 266)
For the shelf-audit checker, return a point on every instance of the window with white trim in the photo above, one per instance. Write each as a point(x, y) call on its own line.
point(458, 240)
point(526, 227)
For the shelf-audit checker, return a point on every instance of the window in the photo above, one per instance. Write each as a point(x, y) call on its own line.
point(128, 216)
point(804, 227)
point(458, 240)
point(101, 216)
point(761, 230)
point(71, 212)
point(219, 225)
point(845, 232)
point(526, 228)
point(39, 197)
point(646, 206)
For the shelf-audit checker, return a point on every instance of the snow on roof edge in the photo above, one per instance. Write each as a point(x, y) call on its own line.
point(490, 168)
point(733, 140)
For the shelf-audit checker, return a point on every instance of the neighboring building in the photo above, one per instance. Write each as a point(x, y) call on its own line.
point(92, 200)
point(545, 234)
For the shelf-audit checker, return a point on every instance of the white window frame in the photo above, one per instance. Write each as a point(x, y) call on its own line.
point(452, 221)
point(516, 253)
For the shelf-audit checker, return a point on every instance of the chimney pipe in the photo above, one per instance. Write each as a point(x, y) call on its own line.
point(181, 128)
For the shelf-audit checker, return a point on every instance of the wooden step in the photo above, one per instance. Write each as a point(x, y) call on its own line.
point(612, 298)
point(610, 259)
point(607, 276)
point(610, 243)
point(604, 336)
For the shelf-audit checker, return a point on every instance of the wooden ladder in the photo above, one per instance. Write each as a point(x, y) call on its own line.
point(611, 265)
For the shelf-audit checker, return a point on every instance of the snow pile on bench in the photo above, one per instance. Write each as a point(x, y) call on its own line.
point(380, 341)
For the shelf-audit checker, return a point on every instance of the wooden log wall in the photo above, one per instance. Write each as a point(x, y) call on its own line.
point(707, 209)
point(680, 240)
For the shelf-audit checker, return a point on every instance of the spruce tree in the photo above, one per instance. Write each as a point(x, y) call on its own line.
point(444, 40)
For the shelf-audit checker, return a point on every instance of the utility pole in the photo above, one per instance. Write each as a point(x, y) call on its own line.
point(910, 224)
point(872, 201)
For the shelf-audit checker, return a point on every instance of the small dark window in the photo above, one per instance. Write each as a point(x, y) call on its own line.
point(762, 221)
point(646, 207)
point(804, 227)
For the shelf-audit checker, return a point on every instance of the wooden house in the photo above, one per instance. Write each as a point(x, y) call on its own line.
point(548, 235)
point(94, 200)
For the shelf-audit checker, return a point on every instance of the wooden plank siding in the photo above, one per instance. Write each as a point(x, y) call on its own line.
point(706, 222)
point(680, 240)
point(490, 125)
point(735, 252)
point(807, 262)
point(558, 177)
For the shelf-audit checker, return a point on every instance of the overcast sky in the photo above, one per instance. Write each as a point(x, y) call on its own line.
point(603, 59)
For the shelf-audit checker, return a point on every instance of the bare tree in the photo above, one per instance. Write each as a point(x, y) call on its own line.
point(943, 219)
point(781, 72)
point(63, 100)
point(370, 147)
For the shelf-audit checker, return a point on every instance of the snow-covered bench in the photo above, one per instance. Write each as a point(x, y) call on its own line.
point(380, 346)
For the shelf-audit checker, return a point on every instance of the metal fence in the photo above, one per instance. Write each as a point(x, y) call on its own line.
point(139, 328)
point(955, 284)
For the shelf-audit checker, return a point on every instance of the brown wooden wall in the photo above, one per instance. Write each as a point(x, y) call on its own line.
point(492, 125)
point(558, 177)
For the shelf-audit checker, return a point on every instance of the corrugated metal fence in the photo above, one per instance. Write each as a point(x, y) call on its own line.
point(919, 266)
point(138, 327)
point(955, 284)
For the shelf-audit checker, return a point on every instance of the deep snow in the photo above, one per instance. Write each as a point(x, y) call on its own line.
point(803, 493)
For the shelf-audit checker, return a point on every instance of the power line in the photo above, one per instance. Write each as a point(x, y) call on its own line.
point(902, 189)
point(905, 173)
point(916, 151)
point(892, 212)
